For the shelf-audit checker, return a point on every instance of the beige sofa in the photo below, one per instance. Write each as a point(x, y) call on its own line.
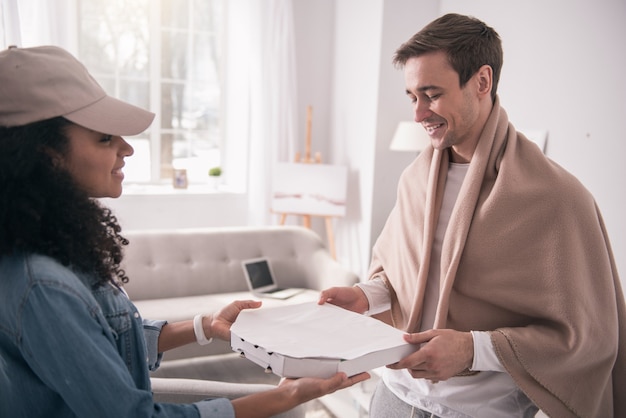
point(176, 274)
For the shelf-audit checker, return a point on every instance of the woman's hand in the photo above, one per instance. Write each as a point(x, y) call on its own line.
point(350, 298)
point(218, 324)
point(290, 393)
point(176, 334)
point(307, 388)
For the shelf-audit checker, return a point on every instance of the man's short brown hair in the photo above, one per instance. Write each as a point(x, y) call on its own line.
point(468, 42)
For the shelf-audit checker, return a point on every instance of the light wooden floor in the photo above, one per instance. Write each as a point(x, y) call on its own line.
point(318, 410)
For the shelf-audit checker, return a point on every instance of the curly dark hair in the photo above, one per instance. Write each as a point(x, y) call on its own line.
point(43, 211)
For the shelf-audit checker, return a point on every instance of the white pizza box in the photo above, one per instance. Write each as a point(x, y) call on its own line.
point(311, 340)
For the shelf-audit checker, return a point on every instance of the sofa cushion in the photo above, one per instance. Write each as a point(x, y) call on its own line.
point(176, 263)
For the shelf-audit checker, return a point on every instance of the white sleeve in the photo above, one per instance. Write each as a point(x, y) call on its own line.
point(377, 295)
point(485, 358)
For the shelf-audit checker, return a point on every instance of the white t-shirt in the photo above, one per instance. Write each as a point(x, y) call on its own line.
point(490, 393)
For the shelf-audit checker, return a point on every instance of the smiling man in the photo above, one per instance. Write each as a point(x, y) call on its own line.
point(494, 260)
point(453, 115)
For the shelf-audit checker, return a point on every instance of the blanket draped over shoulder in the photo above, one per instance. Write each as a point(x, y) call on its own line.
point(525, 256)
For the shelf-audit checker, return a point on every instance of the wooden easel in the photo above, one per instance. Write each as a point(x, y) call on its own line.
point(306, 219)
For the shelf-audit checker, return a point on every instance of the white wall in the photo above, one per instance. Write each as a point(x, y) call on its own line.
point(562, 72)
point(358, 29)
point(178, 209)
point(315, 39)
point(400, 20)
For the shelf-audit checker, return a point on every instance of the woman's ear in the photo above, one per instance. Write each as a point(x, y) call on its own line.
point(55, 156)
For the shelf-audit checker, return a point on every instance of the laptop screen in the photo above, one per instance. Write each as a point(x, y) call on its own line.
point(259, 274)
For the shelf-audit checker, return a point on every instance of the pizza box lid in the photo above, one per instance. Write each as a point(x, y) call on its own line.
point(311, 340)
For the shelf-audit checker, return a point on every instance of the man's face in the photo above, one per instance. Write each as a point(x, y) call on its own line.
point(450, 114)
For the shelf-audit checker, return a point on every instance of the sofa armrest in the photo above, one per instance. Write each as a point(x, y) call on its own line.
point(171, 390)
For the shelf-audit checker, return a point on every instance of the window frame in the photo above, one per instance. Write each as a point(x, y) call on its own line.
point(155, 79)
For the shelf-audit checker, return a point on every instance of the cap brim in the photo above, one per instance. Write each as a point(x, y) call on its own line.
point(113, 117)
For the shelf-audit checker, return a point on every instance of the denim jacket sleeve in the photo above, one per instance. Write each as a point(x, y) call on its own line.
point(152, 331)
point(213, 408)
point(71, 355)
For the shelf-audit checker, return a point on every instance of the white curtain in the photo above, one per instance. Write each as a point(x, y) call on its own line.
point(261, 98)
point(40, 22)
point(262, 58)
point(9, 24)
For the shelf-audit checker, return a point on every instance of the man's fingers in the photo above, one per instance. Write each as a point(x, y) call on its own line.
point(326, 295)
point(418, 337)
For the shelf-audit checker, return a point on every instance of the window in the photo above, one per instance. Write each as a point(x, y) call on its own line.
point(2, 29)
point(166, 56)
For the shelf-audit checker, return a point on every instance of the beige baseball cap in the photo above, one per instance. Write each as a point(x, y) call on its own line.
point(45, 82)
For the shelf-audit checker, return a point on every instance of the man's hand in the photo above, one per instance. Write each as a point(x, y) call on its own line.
point(443, 354)
point(350, 298)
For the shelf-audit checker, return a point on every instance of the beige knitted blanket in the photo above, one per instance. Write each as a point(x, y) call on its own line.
point(525, 255)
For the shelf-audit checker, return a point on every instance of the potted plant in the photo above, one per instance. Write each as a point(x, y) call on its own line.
point(214, 176)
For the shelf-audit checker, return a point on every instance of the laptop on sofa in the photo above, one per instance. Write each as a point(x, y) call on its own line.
point(261, 281)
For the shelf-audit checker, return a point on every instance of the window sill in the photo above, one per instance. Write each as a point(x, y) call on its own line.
point(168, 189)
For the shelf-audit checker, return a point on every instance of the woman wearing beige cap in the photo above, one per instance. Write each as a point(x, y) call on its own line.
point(71, 342)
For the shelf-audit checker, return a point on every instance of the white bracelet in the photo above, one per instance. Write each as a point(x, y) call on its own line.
point(199, 331)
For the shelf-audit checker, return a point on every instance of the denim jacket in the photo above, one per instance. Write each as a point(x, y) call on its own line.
point(67, 350)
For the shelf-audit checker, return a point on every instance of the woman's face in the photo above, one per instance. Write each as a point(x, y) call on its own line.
point(95, 161)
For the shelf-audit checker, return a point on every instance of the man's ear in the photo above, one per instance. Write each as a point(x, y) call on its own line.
point(484, 77)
